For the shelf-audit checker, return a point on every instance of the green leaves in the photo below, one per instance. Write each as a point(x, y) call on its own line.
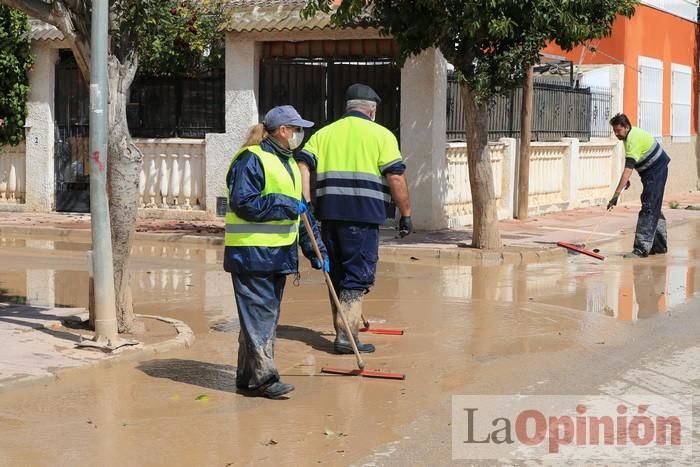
point(175, 37)
point(15, 62)
point(490, 42)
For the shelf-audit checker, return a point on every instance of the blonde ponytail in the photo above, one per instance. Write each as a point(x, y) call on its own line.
point(256, 134)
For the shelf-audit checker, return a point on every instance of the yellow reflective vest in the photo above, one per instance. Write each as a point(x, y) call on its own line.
point(352, 154)
point(277, 233)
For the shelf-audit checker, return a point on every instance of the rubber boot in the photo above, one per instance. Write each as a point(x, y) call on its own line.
point(351, 301)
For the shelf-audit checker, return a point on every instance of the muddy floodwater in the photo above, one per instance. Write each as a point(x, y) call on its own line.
point(463, 325)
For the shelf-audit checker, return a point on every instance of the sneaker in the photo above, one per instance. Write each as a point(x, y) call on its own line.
point(270, 391)
point(344, 347)
point(635, 254)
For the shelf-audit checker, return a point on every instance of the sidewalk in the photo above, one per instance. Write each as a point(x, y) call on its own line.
point(533, 239)
point(38, 344)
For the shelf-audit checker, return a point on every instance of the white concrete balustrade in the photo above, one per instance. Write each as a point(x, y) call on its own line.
point(12, 174)
point(597, 172)
point(458, 199)
point(173, 174)
point(563, 175)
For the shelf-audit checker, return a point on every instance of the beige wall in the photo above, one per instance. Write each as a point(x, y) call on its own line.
point(40, 185)
point(423, 137)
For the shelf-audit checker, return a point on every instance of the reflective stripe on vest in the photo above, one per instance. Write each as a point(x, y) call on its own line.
point(240, 232)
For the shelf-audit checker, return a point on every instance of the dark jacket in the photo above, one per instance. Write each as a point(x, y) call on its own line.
point(246, 180)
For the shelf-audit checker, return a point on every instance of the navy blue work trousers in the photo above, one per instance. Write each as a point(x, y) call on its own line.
point(651, 236)
point(258, 298)
point(353, 251)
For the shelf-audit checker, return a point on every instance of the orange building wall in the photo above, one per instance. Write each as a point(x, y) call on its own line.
point(650, 33)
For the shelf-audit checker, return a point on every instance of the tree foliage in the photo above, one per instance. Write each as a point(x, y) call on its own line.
point(491, 43)
point(15, 61)
point(181, 38)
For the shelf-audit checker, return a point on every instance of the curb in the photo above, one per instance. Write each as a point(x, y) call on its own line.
point(467, 256)
point(473, 257)
point(184, 339)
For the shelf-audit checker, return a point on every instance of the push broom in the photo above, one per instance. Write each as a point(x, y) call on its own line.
point(582, 248)
point(383, 331)
point(361, 371)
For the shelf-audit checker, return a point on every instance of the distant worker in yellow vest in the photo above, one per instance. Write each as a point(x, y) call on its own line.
point(262, 232)
point(643, 153)
point(359, 171)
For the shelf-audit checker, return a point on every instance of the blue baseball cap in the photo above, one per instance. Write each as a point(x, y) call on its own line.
point(284, 115)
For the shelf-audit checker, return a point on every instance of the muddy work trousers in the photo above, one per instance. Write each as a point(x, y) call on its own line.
point(258, 298)
point(353, 250)
point(651, 236)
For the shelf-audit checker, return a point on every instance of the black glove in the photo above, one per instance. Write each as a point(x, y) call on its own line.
point(405, 226)
point(613, 201)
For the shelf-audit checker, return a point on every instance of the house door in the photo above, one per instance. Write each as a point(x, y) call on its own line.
point(72, 145)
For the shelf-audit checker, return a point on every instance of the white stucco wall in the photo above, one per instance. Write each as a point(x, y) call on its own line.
point(423, 136)
point(40, 184)
point(242, 65)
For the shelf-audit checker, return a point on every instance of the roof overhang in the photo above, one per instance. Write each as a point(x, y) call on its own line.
point(275, 16)
point(40, 31)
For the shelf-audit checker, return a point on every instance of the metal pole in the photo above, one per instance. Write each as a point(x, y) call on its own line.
point(105, 310)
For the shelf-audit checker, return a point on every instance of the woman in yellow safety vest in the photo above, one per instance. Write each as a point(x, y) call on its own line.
point(262, 232)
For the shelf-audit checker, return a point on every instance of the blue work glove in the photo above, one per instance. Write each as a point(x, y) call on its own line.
point(316, 264)
point(301, 207)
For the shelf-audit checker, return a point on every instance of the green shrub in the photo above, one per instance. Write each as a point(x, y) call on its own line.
point(15, 61)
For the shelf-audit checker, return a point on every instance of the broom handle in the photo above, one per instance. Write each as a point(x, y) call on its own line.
point(607, 211)
point(595, 229)
point(331, 289)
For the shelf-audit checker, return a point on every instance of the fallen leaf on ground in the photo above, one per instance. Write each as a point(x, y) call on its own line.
point(270, 442)
point(202, 397)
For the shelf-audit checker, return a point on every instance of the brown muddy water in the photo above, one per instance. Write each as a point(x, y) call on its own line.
point(456, 318)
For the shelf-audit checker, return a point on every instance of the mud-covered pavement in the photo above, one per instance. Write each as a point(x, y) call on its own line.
point(576, 326)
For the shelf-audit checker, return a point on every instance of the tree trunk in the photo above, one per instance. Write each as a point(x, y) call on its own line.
point(525, 138)
point(486, 234)
point(124, 167)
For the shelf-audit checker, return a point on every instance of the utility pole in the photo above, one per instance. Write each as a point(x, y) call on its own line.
point(525, 137)
point(105, 308)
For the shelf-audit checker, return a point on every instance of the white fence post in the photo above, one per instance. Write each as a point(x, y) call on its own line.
point(509, 188)
point(571, 166)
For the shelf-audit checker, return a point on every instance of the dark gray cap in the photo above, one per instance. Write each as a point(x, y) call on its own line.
point(362, 92)
point(284, 115)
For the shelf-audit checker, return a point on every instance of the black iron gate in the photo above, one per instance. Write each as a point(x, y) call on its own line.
point(72, 145)
point(316, 87)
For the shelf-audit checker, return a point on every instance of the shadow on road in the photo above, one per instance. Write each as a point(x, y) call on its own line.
point(204, 374)
point(315, 339)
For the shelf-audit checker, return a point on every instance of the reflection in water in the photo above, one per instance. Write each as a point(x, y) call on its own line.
point(187, 282)
point(627, 291)
point(178, 281)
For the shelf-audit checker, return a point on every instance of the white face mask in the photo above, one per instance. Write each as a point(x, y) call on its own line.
point(296, 140)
